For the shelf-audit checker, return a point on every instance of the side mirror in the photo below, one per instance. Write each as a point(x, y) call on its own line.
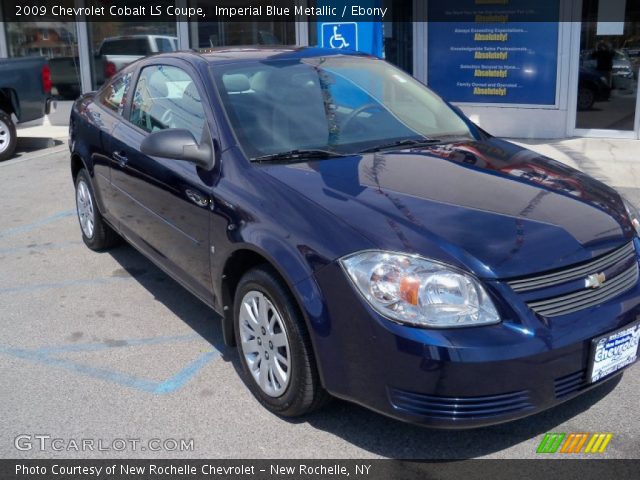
point(179, 144)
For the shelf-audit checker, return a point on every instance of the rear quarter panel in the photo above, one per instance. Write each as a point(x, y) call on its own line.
point(91, 127)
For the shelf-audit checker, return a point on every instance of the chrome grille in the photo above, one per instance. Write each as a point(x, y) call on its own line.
point(551, 279)
point(573, 302)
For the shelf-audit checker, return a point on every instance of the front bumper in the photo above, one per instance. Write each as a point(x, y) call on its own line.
point(458, 378)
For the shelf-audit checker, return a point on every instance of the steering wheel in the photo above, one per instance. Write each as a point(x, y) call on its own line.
point(358, 111)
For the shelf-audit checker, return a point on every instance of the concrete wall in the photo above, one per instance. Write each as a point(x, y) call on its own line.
point(520, 122)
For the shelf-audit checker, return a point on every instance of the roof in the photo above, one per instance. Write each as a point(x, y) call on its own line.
point(261, 53)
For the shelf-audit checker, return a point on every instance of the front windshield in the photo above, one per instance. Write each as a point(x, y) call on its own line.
point(342, 104)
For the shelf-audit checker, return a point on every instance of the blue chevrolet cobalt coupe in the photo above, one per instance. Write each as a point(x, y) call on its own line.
point(359, 236)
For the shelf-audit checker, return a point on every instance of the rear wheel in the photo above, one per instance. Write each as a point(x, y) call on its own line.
point(8, 136)
point(586, 98)
point(274, 346)
point(96, 234)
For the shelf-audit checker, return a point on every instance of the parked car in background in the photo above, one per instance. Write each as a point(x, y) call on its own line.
point(622, 74)
point(25, 85)
point(306, 195)
point(118, 52)
point(632, 49)
point(592, 88)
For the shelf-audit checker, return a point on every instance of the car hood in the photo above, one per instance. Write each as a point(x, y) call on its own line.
point(489, 206)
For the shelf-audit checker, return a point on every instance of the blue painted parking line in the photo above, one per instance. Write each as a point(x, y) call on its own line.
point(46, 356)
point(183, 376)
point(38, 223)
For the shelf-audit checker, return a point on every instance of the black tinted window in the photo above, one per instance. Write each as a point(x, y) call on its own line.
point(164, 45)
point(166, 97)
point(113, 94)
point(130, 46)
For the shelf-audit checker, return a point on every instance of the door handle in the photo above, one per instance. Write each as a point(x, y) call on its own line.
point(120, 158)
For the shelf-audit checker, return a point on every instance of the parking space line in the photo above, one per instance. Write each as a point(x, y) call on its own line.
point(175, 382)
point(182, 377)
point(38, 223)
point(99, 373)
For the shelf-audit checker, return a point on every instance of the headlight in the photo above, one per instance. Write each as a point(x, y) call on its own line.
point(634, 215)
point(417, 291)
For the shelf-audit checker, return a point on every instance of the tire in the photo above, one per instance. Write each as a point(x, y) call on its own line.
point(8, 136)
point(586, 98)
point(96, 234)
point(301, 392)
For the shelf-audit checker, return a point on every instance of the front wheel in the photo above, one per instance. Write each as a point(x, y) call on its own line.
point(96, 234)
point(274, 346)
point(586, 98)
point(8, 136)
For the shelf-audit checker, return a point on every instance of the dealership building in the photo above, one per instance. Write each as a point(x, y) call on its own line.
point(538, 77)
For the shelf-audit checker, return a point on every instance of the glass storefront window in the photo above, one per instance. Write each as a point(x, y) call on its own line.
point(398, 34)
point(114, 45)
point(224, 34)
point(57, 41)
point(609, 64)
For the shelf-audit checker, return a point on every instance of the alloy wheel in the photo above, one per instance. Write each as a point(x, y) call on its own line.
point(5, 139)
point(264, 343)
point(85, 208)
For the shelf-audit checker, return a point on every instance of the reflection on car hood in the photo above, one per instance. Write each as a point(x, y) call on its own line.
point(490, 206)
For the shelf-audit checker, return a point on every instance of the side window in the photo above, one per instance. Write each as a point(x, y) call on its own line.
point(112, 96)
point(166, 97)
point(164, 45)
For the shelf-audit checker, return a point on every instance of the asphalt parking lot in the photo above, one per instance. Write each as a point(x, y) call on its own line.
point(104, 346)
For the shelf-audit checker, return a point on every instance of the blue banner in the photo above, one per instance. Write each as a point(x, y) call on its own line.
point(491, 55)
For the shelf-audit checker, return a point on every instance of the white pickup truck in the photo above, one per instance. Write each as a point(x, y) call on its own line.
point(118, 52)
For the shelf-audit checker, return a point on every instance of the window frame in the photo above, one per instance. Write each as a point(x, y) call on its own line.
point(210, 120)
point(125, 98)
point(157, 66)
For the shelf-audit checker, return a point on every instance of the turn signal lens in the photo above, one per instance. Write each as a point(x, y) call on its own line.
point(409, 290)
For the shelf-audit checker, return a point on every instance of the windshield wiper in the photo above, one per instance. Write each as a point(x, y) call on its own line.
point(407, 142)
point(298, 155)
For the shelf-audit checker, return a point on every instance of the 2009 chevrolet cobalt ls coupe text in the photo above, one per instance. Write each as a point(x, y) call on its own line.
point(359, 236)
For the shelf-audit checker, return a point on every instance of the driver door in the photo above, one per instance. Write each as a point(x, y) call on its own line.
point(164, 204)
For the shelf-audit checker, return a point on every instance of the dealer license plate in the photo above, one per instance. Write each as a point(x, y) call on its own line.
point(614, 351)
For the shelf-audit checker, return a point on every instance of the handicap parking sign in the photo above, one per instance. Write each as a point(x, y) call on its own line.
point(340, 35)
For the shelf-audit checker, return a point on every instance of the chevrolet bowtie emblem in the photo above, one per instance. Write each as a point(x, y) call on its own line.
point(595, 280)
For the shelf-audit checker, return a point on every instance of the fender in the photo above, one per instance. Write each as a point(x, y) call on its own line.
point(298, 276)
point(9, 102)
point(292, 267)
point(272, 238)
